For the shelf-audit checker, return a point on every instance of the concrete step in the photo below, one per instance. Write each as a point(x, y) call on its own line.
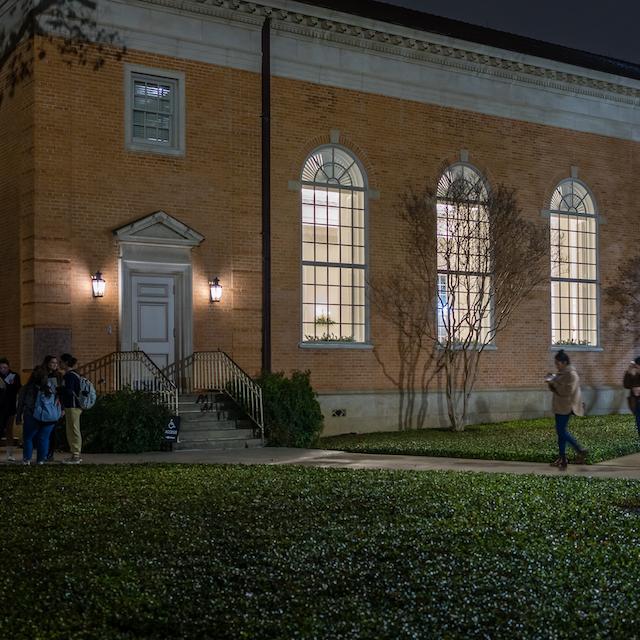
point(192, 407)
point(209, 425)
point(212, 396)
point(214, 436)
point(206, 416)
point(218, 444)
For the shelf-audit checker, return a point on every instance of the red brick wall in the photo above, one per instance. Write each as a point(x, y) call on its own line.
point(406, 143)
point(87, 184)
point(16, 208)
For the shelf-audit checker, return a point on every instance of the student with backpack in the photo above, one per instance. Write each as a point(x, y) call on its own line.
point(71, 393)
point(38, 409)
point(54, 378)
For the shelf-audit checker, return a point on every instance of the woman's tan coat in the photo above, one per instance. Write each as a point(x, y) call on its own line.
point(566, 392)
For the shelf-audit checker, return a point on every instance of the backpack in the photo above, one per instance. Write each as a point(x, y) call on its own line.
point(87, 396)
point(47, 408)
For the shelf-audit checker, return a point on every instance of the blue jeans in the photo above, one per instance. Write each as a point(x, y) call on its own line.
point(638, 415)
point(39, 432)
point(562, 421)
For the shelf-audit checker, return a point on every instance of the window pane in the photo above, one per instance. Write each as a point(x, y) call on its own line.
point(153, 109)
point(332, 188)
point(321, 275)
point(321, 253)
point(345, 217)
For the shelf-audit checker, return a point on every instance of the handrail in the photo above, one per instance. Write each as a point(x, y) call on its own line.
point(133, 369)
point(216, 371)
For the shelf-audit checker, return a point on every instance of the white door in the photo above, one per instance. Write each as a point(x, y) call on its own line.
point(153, 317)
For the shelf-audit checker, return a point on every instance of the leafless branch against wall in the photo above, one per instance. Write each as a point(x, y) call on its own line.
point(470, 257)
point(33, 28)
point(624, 299)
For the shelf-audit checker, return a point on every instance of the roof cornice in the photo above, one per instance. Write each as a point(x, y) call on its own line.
point(436, 50)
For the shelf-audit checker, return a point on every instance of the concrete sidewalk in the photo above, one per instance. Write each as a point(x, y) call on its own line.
point(626, 467)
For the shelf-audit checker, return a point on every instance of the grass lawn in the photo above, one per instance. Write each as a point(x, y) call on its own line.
point(605, 437)
point(289, 553)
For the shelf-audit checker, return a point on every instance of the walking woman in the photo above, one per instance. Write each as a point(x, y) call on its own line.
point(632, 382)
point(54, 378)
point(72, 411)
point(567, 401)
point(9, 388)
point(38, 409)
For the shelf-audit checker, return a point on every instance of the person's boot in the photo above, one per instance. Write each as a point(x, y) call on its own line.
point(560, 462)
point(581, 456)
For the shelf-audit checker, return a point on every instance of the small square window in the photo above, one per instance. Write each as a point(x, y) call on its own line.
point(154, 110)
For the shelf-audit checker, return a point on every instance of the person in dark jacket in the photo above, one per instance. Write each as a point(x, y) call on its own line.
point(631, 381)
point(54, 378)
point(9, 387)
point(72, 411)
point(34, 430)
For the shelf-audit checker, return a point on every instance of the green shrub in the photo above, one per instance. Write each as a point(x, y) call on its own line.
point(125, 421)
point(292, 414)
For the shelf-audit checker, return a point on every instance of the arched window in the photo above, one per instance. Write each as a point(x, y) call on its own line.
point(574, 265)
point(333, 248)
point(464, 259)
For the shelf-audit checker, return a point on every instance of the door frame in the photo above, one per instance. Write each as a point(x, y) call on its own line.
point(183, 302)
point(158, 244)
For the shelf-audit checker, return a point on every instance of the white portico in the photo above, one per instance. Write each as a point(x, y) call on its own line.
point(156, 306)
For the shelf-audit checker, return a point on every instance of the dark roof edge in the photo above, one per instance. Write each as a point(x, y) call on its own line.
point(440, 25)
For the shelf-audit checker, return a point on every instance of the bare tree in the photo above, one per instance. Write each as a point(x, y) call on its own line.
point(624, 298)
point(404, 295)
point(32, 27)
point(470, 258)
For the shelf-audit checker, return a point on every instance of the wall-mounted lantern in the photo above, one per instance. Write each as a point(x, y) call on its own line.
point(98, 285)
point(215, 290)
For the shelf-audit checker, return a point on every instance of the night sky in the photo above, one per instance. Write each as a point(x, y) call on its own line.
point(608, 28)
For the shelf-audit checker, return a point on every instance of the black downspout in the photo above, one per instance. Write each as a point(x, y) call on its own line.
point(266, 195)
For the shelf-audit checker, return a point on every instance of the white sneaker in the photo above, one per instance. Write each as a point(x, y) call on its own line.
point(72, 460)
point(41, 462)
point(10, 458)
point(26, 463)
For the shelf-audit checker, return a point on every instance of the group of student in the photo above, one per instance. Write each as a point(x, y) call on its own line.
point(51, 395)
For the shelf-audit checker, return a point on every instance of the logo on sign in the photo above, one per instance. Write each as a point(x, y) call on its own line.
point(172, 429)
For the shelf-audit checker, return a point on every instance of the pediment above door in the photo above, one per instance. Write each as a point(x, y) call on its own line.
point(159, 228)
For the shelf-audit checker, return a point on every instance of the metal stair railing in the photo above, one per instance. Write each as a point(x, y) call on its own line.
point(133, 369)
point(216, 371)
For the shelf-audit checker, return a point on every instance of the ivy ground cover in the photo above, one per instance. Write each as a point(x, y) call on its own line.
point(605, 437)
point(272, 552)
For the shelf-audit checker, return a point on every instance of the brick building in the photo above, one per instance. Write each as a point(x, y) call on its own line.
point(150, 170)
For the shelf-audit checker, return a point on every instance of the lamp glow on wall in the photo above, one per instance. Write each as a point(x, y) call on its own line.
point(98, 284)
point(215, 290)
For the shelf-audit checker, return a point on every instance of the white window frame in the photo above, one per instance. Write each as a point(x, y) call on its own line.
point(319, 344)
point(595, 215)
point(444, 273)
point(177, 79)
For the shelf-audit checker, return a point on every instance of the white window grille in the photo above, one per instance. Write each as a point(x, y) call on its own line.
point(464, 260)
point(154, 110)
point(574, 266)
point(333, 248)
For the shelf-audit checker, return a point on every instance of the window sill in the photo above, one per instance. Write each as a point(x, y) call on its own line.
point(158, 150)
point(574, 347)
point(366, 346)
